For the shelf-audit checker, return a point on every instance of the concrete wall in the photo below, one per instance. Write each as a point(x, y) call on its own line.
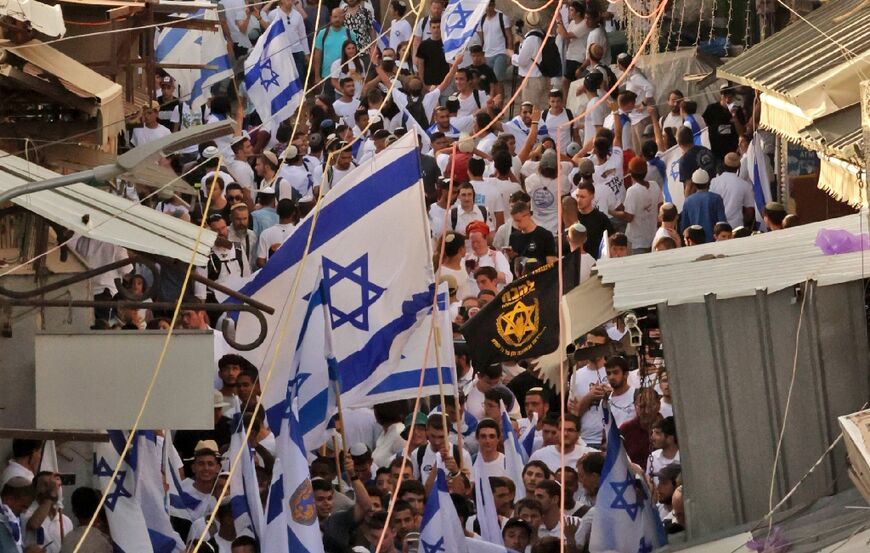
point(730, 364)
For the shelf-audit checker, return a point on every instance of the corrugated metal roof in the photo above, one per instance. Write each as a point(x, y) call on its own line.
point(770, 261)
point(800, 52)
point(110, 218)
point(838, 134)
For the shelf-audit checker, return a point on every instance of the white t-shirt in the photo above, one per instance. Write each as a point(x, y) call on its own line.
point(505, 188)
point(48, 536)
point(14, 470)
point(736, 194)
point(622, 407)
point(339, 71)
point(657, 461)
point(545, 197)
point(592, 421)
point(235, 12)
point(627, 134)
point(429, 458)
point(576, 46)
point(345, 110)
point(610, 173)
point(468, 105)
point(400, 31)
point(551, 457)
point(462, 284)
point(243, 174)
point(144, 135)
point(671, 120)
point(276, 234)
point(436, 219)
point(553, 124)
point(642, 202)
point(594, 117)
point(495, 467)
point(599, 36)
point(666, 409)
point(493, 34)
point(487, 194)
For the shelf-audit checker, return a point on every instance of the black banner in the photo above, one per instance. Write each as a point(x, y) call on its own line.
point(521, 322)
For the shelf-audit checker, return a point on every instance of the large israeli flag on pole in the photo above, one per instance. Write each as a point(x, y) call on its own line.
point(459, 24)
point(756, 163)
point(625, 518)
point(270, 75)
point(513, 458)
point(370, 239)
point(487, 517)
point(192, 46)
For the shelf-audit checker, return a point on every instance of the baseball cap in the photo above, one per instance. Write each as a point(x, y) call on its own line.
point(206, 446)
point(167, 80)
point(420, 420)
point(451, 282)
point(700, 176)
point(586, 167)
point(548, 160)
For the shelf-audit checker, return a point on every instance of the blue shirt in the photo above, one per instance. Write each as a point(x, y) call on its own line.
point(264, 218)
point(329, 43)
point(703, 208)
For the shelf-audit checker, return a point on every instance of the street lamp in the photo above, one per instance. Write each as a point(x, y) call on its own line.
point(129, 160)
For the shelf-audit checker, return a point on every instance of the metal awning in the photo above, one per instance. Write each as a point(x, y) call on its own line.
point(838, 134)
point(104, 216)
point(733, 268)
point(44, 64)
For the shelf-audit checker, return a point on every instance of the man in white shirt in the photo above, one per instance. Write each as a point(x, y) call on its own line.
point(26, 456)
point(294, 25)
point(527, 61)
point(466, 211)
point(296, 182)
point(206, 467)
point(470, 97)
point(497, 40)
point(400, 28)
point(626, 101)
point(272, 238)
point(574, 446)
point(595, 114)
point(45, 525)
point(423, 458)
point(640, 208)
point(673, 119)
point(490, 460)
point(587, 388)
point(556, 119)
point(519, 126)
point(345, 106)
point(621, 398)
point(150, 130)
point(240, 168)
point(597, 35)
point(737, 194)
point(486, 194)
point(636, 81)
point(667, 449)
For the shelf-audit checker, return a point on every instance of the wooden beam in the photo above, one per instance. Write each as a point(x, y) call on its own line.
point(57, 435)
point(196, 24)
point(123, 11)
point(54, 91)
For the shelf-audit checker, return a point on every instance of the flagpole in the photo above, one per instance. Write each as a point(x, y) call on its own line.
point(561, 342)
point(340, 429)
point(337, 463)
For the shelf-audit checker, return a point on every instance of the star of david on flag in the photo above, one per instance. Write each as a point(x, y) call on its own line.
point(625, 518)
point(357, 272)
point(459, 24)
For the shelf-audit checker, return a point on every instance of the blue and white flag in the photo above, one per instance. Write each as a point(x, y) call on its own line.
point(314, 372)
point(244, 491)
point(626, 521)
point(673, 188)
point(513, 458)
point(271, 78)
point(441, 529)
point(377, 276)
point(756, 164)
point(527, 439)
point(291, 517)
point(487, 516)
point(459, 24)
point(193, 46)
point(134, 502)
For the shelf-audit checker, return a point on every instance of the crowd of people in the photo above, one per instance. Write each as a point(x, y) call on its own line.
point(498, 188)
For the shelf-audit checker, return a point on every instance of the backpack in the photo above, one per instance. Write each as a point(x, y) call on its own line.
point(454, 216)
point(418, 112)
point(323, 45)
point(216, 264)
point(609, 78)
point(507, 43)
point(551, 63)
point(476, 93)
point(570, 118)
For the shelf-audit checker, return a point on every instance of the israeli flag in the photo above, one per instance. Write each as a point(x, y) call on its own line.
point(513, 458)
point(527, 439)
point(378, 282)
point(625, 517)
point(291, 517)
point(48, 463)
point(244, 491)
point(192, 46)
point(459, 25)
point(134, 503)
point(441, 529)
point(487, 517)
point(756, 163)
point(314, 373)
point(271, 79)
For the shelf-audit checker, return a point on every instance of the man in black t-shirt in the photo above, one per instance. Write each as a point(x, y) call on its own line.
point(484, 75)
point(168, 103)
point(590, 217)
point(694, 157)
point(724, 123)
point(532, 241)
point(430, 61)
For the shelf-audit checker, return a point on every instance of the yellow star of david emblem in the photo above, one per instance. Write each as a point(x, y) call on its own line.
point(518, 325)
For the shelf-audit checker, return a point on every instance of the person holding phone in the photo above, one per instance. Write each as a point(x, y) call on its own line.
point(480, 254)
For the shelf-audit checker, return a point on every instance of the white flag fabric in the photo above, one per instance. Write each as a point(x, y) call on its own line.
point(759, 178)
point(487, 517)
point(291, 517)
point(513, 458)
point(670, 165)
point(244, 490)
point(378, 281)
point(626, 521)
point(48, 463)
point(527, 439)
point(441, 529)
point(151, 494)
point(270, 75)
point(193, 46)
point(459, 24)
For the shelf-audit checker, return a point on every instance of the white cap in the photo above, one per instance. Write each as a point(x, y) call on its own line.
point(358, 449)
point(266, 190)
point(700, 176)
point(211, 151)
point(291, 152)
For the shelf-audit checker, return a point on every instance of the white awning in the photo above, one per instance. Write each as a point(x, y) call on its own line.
point(104, 216)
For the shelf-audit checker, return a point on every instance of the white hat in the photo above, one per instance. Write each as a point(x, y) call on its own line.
point(211, 151)
point(358, 450)
point(266, 190)
point(291, 152)
point(700, 176)
point(578, 228)
point(219, 401)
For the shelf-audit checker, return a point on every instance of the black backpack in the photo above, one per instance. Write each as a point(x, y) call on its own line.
point(454, 216)
point(551, 62)
point(417, 111)
point(421, 452)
